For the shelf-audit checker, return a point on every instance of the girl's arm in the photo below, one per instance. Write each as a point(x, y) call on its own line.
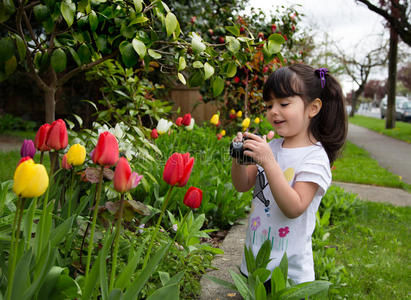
point(243, 176)
point(292, 200)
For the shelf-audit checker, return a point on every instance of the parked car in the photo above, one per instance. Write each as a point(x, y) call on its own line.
point(402, 108)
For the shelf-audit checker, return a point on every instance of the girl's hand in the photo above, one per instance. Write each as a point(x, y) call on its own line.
point(258, 148)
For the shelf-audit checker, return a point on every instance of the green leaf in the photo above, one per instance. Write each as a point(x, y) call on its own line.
point(138, 5)
point(233, 44)
point(197, 44)
point(137, 285)
point(41, 12)
point(233, 29)
point(181, 78)
point(171, 292)
point(218, 86)
point(68, 9)
point(93, 20)
point(61, 231)
point(276, 38)
point(130, 268)
point(115, 294)
point(262, 274)
point(10, 65)
point(49, 282)
point(58, 60)
point(171, 23)
point(277, 280)
point(108, 240)
point(240, 284)
point(84, 54)
point(208, 71)
point(284, 266)
point(249, 259)
point(164, 277)
point(65, 288)
point(263, 255)
point(304, 290)
point(260, 292)
point(139, 47)
point(181, 63)
point(7, 49)
point(128, 54)
point(22, 276)
point(75, 56)
point(231, 70)
point(198, 64)
point(273, 47)
point(154, 54)
point(138, 20)
point(222, 282)
point(196, 78)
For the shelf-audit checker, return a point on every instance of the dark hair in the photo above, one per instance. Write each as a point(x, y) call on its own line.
point(329, 126)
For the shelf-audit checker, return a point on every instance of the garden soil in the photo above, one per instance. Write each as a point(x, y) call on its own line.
point(392, 154)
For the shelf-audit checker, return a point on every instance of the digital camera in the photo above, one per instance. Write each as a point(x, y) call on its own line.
point(237, 152)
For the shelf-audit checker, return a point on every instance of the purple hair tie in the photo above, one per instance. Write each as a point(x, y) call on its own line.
point(321, 72)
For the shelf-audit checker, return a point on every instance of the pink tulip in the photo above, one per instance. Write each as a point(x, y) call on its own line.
point(124, 179)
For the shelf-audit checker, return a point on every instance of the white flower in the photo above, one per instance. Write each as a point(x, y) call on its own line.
point(190, 127)
point(163, 126)
point(141, 226)
point(175, 227)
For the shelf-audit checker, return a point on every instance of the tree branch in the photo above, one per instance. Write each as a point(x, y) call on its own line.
point(79, 69)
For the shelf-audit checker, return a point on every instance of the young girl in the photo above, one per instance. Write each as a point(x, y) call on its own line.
point(306, 108)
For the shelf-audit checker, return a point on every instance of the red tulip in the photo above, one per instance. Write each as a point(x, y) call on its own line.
point(178, 169)
point(186, 119)
point(41, 137)
point(57, 137)
point(179, 121)
point(106, 151)
point(154, 133)
point(64, 163)
point(124, 179)
point(193, 197)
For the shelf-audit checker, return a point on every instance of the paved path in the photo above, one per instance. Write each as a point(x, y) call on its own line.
point(392, 154)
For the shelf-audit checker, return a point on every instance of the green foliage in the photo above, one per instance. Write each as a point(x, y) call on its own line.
point(252, 287)
point(9, 122)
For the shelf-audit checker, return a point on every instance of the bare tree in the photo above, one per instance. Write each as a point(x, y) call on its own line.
point(397, 13)
point(360, 69)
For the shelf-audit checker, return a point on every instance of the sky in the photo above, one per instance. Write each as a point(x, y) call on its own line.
point(353, 26)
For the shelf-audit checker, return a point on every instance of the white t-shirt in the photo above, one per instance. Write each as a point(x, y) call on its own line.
point(266, 221)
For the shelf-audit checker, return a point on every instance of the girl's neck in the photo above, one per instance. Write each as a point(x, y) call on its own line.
point(299, 141)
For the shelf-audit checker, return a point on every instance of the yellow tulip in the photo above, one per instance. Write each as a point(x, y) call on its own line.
point(214, 119)
point(232, 112)
point(245, 123)
point(30, 179)
point(257, 120)
point(223, 132)
point(239, 114)
point(76, 155)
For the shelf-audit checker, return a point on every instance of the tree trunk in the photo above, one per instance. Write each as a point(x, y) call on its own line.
point(392, 79)
point(50, 105)
point(354, 99)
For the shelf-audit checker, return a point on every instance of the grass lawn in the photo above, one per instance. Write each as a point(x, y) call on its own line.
point(402, 130)
point(374, 246)
point(356, 165)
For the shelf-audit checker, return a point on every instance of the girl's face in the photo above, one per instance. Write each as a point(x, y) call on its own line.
point(290, 119)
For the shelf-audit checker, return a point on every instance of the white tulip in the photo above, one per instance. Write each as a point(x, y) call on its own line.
point(190, 127)
point(163, 126)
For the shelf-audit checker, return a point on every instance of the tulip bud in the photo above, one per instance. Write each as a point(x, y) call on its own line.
point(30, 179)
point(179, 121)
point(232, 112)
point(239, 114)
point(76, 155)
point(223, 132)
point(193, 197)
point(154, 133)
point(64, 163)
point(27, 149)
point(124, 179)
point(191, 125)
point(163, 126)
point(219, 136)
point(257, 120)
point(186, 119)
point(57, 137)
point(106, 152)
point(215, 119)
point(41, 137)
point(245, 123)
